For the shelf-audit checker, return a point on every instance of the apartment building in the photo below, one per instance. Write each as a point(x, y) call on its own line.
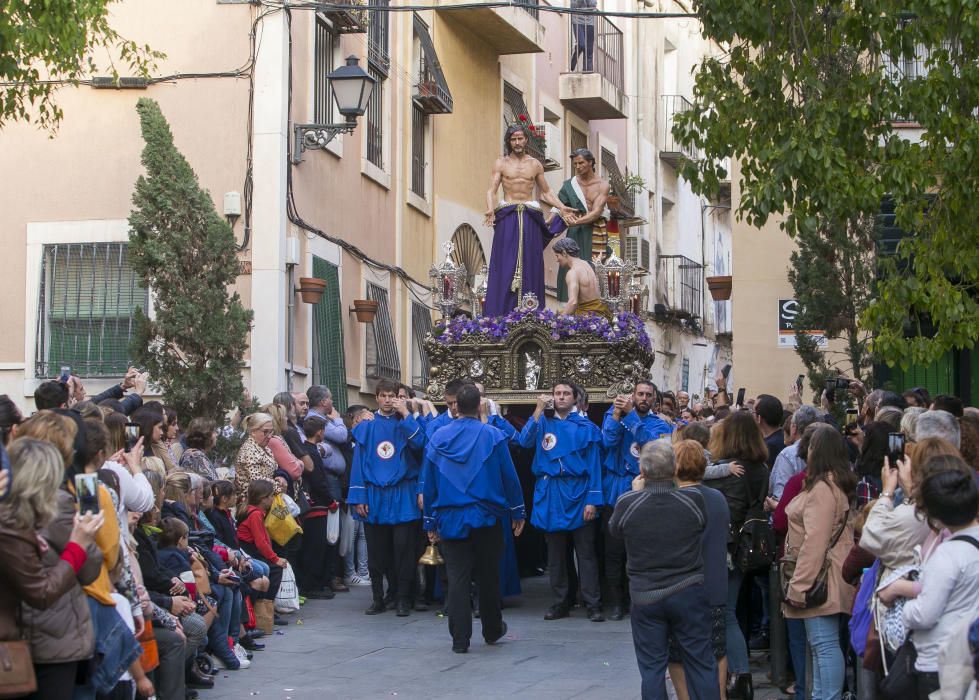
point(370, 211)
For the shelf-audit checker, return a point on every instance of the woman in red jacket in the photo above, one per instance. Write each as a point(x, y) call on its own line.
point(254, 538)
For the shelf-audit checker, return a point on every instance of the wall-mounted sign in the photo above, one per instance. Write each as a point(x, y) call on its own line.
point(788, 310)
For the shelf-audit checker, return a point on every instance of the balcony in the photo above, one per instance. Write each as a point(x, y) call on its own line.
point(431, 92)
point(507, 30)
point(594, 86)
point(672, 151)
point(349, 19)
point(680, 288)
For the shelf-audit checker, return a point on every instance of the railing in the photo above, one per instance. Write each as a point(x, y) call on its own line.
point(530, 7)
point(430, 93)
point(348, 20)
point(595, 46)
point(684, 281)
point(672, 106)
point(626, 207)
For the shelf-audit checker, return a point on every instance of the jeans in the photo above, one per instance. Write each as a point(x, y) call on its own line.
point(797, 651)
point(355, 561)
point(584, 45)
point(686, 617)
point(115, 650)
point(737, 648)
point(217, 635)
point(823, 633)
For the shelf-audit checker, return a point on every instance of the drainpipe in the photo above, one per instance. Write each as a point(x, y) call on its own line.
point(290, 323)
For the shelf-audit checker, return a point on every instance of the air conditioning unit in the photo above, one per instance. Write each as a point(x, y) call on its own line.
point(554, 150)
point(637, 251)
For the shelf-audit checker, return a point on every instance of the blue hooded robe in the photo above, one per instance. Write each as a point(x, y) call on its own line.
point(384, 473)
point(622, 440)
point(568, 467)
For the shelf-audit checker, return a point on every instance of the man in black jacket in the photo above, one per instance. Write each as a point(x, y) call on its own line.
point(313, 568)
point(666, 575)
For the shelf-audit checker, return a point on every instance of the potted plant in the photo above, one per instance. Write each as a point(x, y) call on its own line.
point(311, 289)
point(633, 183)
point(720, 287)
point(365, 309)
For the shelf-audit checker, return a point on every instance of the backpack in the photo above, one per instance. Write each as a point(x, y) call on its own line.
point(754, 545)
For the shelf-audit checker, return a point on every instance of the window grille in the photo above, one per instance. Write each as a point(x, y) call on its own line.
point(329, 366)
point(377, 39)
point(383, 361)
point(513, 107)
point(578, 140)
point(375, 120)
point(685, 375)
point(418, 124)
point(421, 326)
point(88, 296)
point(322, 67)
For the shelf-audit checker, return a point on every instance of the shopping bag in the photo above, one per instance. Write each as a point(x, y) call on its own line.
point(333, 526)
point(287, 599)
point(279, 522)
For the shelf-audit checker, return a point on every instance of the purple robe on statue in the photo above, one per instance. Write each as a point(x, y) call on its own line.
point(520, 228)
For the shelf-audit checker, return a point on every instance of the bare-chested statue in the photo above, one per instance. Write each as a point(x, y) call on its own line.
point(583, 295)
point(520, 233)
point(587, 194)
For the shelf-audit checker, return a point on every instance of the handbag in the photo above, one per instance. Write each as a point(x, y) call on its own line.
point(149, 659)
point(818, 593)
point(901, 679)
point(754, 546)
point(16, 669)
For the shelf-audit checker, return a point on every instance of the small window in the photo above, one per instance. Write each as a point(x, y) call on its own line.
point(329, 367)
point(89, 294)
point(375, 120)
point(685, 375)
point(421, 326)
point(383, 361)
point(419, 128)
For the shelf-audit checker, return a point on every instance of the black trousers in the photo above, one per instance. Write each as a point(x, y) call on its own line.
point(315, 565)
point(275, 571)
point(615, 559)
point(476, 558)
point(557, 563)
point(391, 552)
point(54, 681)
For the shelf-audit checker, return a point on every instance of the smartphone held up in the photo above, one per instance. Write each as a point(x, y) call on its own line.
point(895, 448)
point(87, 493)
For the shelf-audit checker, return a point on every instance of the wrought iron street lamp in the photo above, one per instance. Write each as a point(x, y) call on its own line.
point(352, 89)
point(448, 283)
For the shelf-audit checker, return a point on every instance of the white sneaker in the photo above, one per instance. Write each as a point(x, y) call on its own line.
point(356, 580)
point(242, 655)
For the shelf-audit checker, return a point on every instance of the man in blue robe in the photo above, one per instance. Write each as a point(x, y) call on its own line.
point(451, 411)
point(628, 425)
point(384, 493)
point(568, 493)
point(470, 488)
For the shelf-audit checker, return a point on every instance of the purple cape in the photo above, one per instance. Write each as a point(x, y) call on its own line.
point(510, 219)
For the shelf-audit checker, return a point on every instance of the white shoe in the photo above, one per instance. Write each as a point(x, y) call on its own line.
point(356, 580)
point(242, 655)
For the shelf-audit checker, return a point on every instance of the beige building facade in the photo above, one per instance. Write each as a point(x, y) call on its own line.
point(370, 212)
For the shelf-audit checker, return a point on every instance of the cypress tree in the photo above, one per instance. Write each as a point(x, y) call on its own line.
point(185, 253)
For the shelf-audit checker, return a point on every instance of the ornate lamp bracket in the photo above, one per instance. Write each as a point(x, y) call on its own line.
point(311, 137)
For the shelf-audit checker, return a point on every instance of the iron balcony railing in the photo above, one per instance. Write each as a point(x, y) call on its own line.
point(672, 106)
point(595, 46)
point(684, 284)
point(530, 7)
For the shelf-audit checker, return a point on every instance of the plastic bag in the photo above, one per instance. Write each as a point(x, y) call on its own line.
point(333, 527)
point(279, 522)
point(287, 599)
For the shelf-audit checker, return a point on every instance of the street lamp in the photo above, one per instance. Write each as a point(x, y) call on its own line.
point(448, 280)
point(352, 89)
point(613, 274)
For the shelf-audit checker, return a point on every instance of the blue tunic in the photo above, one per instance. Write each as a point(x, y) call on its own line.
point(439, 421)
point(622, 440)
point(384, 473)
point(568, 467)
point(468, 479)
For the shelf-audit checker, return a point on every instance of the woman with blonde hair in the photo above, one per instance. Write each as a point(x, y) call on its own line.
point(40, 597)
point(287, 461)
point(255, 459)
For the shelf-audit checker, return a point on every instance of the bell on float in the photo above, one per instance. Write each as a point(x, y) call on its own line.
point(431, 557)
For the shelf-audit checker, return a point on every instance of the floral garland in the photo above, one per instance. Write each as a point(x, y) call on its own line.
point(625, 326)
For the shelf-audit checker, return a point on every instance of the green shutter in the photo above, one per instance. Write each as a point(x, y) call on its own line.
point(937, 378)
point(329, 366)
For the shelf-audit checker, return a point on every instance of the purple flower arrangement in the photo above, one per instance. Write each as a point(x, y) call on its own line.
point(625, 326)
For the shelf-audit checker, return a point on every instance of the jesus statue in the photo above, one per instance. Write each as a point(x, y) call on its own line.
point(520, 232)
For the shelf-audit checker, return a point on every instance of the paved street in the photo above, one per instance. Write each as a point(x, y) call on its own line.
point(337, 652)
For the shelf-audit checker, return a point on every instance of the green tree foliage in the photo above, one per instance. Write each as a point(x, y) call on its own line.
point(185, 253)
point(45, 44)
point(816, 144)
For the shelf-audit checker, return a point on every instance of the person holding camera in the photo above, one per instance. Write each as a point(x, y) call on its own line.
point(568, 494)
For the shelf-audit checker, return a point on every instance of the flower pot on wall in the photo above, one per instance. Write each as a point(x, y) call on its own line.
point(311, 289)
point(720, 287)
point(365, 309)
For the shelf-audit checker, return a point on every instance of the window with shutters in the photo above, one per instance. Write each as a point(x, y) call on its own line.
point(89, 294)
point(378, 66)
point(419, 127)
point(329, 367)
point(383, 361)
point(421, 326)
